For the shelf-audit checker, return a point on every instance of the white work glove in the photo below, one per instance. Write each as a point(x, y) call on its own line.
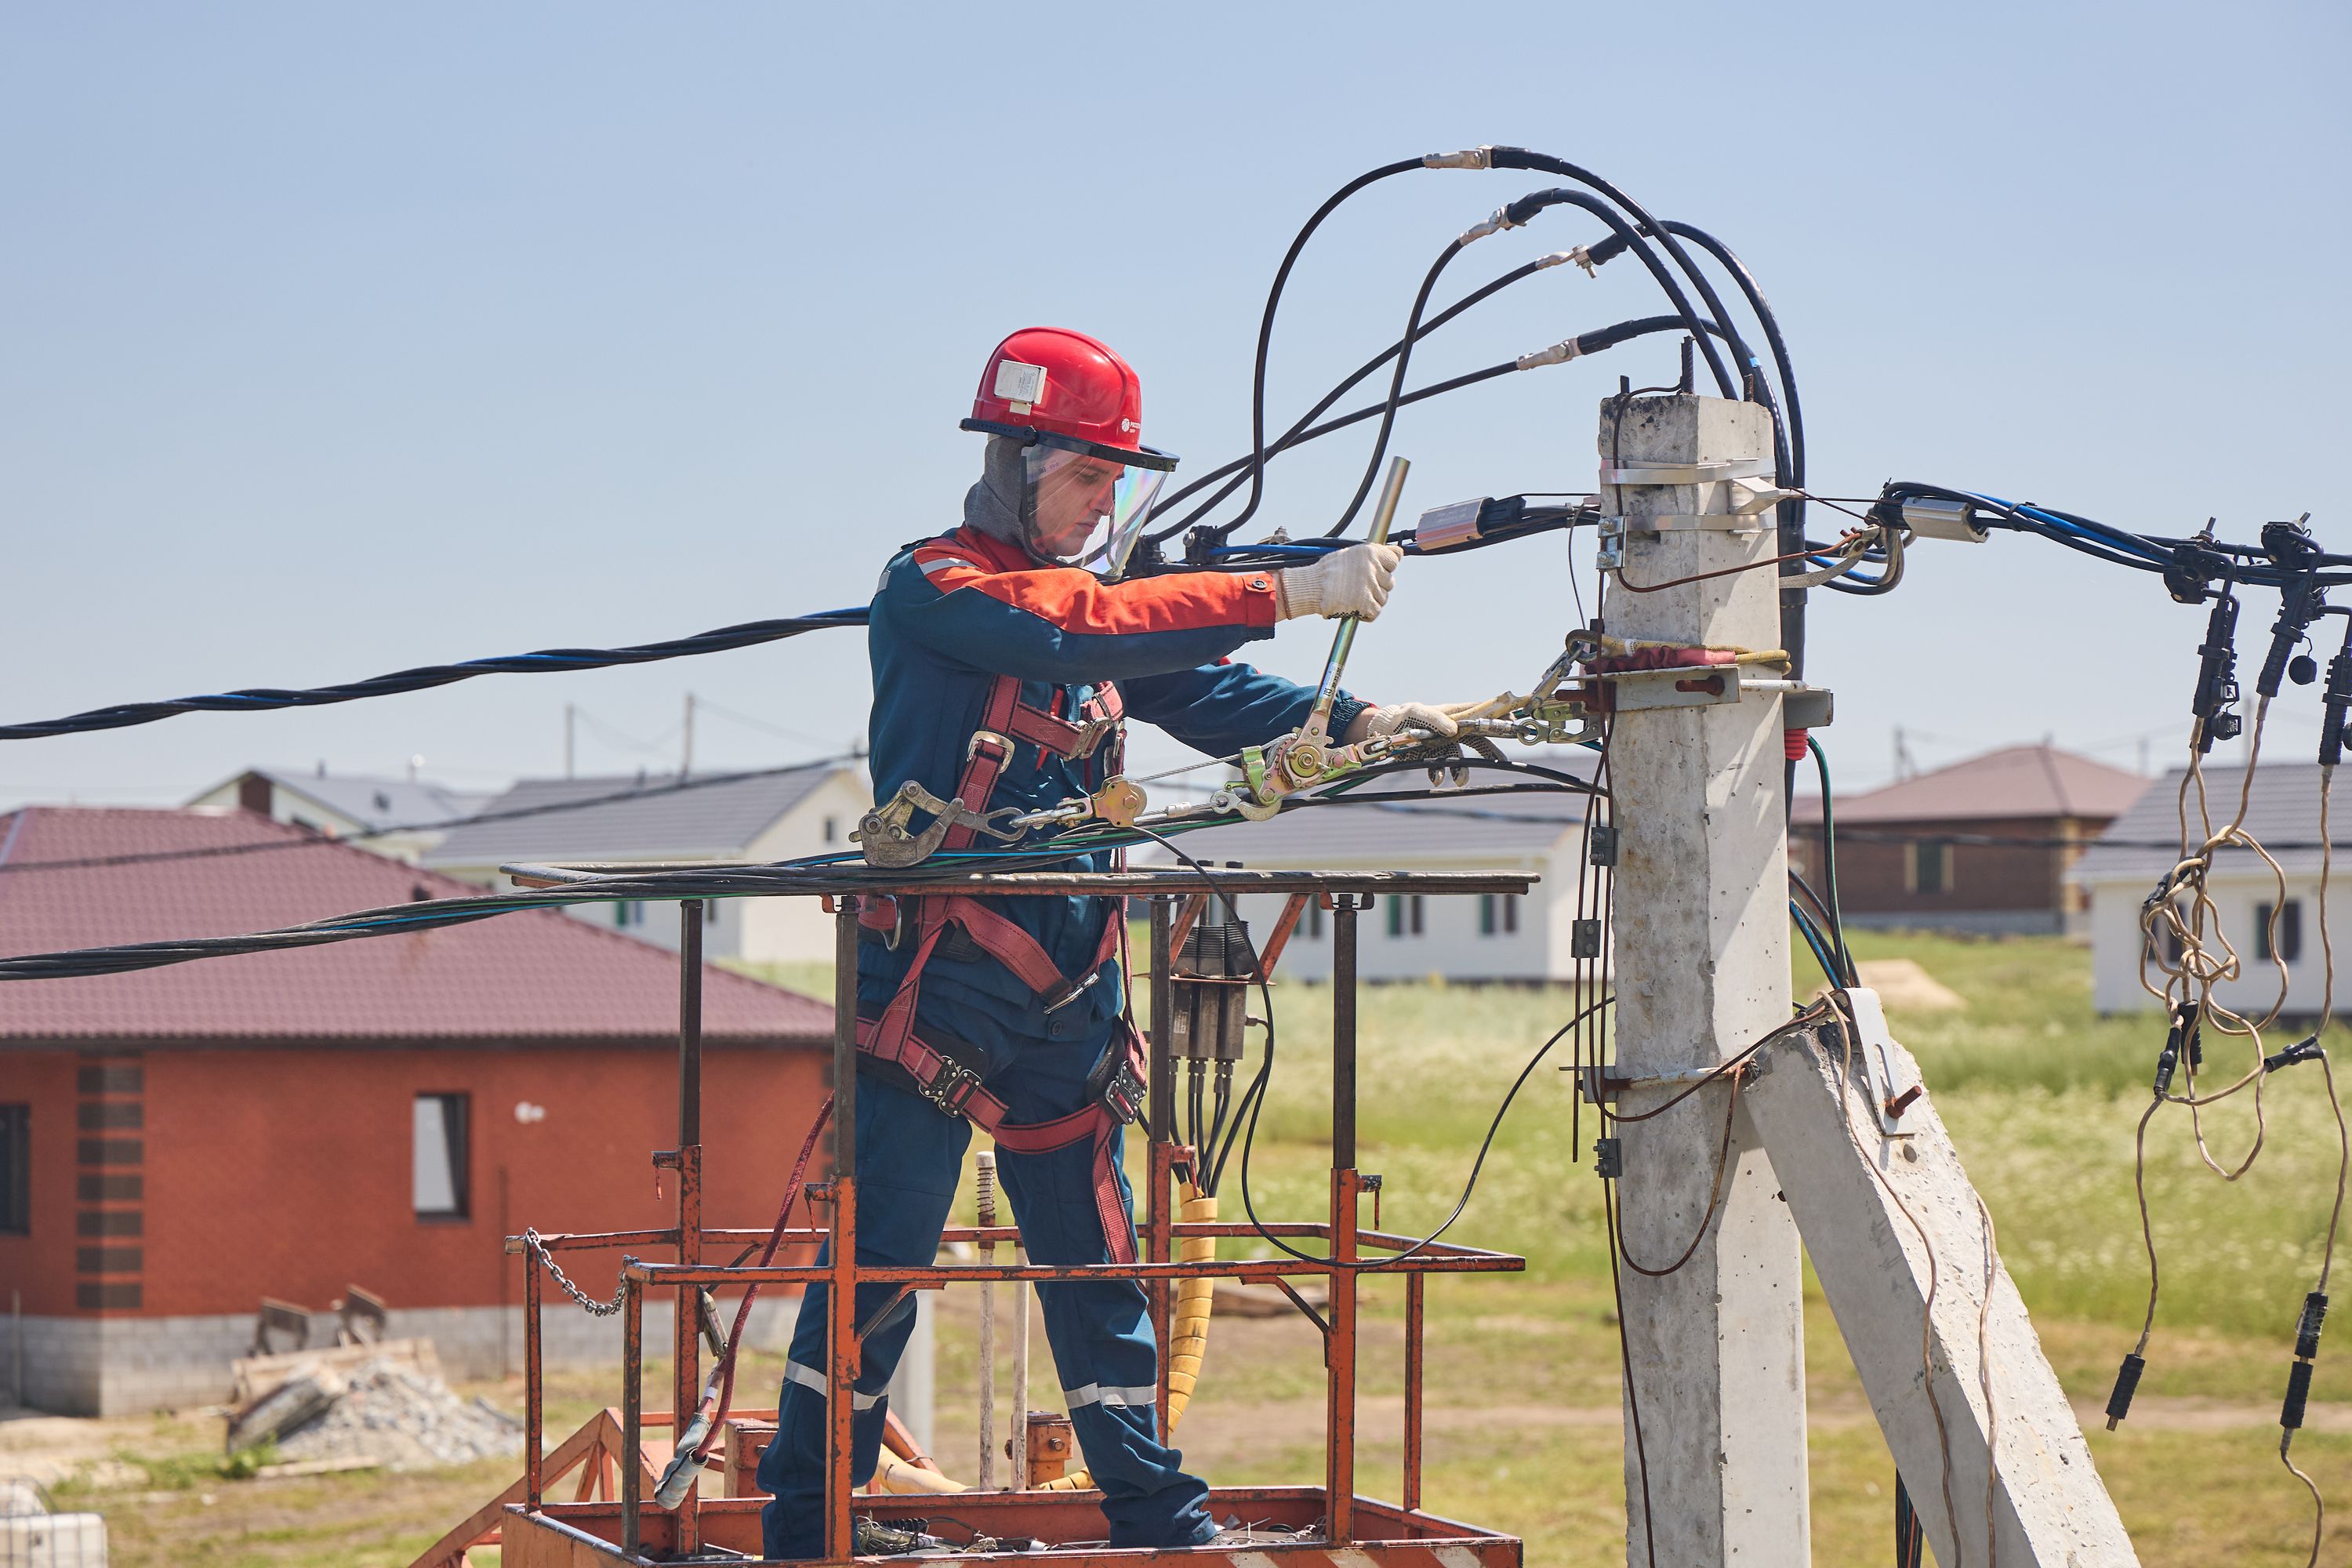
point(1351, 581)
point(1419, 716)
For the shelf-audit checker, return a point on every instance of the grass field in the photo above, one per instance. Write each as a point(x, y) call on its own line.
point(1524, 1431)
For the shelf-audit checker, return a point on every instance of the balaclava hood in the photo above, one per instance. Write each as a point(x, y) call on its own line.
point(997, 506)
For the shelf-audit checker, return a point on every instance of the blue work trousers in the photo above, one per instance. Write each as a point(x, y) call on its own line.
point(910, 1157)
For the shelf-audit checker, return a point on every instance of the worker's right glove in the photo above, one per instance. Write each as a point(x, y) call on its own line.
point(1351, 581)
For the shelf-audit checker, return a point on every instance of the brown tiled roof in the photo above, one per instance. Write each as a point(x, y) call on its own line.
point(2014, 782)
point(536, 975)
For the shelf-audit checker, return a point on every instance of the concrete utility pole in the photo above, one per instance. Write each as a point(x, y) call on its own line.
point(1718, 1348)
point(1715, 1450)
point(686, 749)
point(571, 719)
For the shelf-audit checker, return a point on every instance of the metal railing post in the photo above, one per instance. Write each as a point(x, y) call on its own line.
point(840, 1295)
point(1339, 1435)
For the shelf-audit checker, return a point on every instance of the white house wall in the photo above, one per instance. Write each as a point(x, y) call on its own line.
point(789, 931)
point(1450, 944)
point(2115, 944)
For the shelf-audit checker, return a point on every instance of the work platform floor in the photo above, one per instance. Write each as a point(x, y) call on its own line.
point(584, 1535)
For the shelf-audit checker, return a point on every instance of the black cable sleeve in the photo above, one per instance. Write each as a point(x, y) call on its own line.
point(1274, 303)
point(1396, 391)
point(1242, 466)
point(1521, 158)
point(1693, 322)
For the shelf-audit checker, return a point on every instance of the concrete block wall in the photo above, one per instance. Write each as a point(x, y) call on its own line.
point(120, 1366)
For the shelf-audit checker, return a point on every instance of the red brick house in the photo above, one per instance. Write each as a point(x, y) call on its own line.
point(177, 1143)
point(1929, 852)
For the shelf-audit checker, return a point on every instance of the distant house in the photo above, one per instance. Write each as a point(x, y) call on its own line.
point(2118, 873)
point(775, 815)
point(1929, 852)
point(1490, 937)
point(177, 1143)
point(341, 805)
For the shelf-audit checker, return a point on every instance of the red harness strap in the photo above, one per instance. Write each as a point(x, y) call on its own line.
point(956, 1090)
point(944, 1082)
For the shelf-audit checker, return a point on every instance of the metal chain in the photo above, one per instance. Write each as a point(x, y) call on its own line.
point(531, 1240)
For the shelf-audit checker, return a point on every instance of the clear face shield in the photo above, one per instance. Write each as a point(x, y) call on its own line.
point(1085, 510)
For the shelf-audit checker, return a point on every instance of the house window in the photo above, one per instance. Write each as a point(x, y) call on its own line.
point(1406, 912)
point(1396, 914)
point(1928, 866)
point(710, 912)
point(1314, 922)
point(832, 829)
point(15, 1170)
point(1498, 914)
point(1488, 922)
point(440, 1125)
point(1510, 913)
point(2290, 932)
point(628, 912)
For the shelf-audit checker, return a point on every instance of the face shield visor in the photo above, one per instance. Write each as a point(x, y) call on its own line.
point(1084, 508)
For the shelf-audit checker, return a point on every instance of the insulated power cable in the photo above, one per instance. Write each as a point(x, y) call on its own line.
point(546, 661)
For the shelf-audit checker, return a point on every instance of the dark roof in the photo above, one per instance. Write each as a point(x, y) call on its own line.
point(719, 818)
point(538, 976)
point(376, 803)
point(2282, 811)
point(2014, 782)
point(1400, 832)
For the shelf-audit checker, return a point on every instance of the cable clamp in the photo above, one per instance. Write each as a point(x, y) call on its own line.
point(1494, 225)
point(1558, 256)
point(1474, 157)
point(1639, 473)
point(1559, 353)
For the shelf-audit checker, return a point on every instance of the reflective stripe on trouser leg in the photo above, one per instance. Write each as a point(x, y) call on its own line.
point(1103, 1345)
point(908, 1158)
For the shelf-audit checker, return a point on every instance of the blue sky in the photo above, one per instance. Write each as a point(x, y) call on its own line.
point(344, 339)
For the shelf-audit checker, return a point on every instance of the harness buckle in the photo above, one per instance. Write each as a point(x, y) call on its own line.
point(1005, 742)
point(1120, 1091)
point(951, 1087)
point(1090, 736)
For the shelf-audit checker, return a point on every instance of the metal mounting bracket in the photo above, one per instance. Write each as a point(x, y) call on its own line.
point(1891, 1076)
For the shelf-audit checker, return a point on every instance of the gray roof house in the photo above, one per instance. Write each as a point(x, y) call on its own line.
point(775, 815)
point(2270, 918)
point(348, 805)
point(1415, 936)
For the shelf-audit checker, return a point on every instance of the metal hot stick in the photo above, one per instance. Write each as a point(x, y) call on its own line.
point(1328, 691)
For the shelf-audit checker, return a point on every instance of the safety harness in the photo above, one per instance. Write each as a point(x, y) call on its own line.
point(946, 1071)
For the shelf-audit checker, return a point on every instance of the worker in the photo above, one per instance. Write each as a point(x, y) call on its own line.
point(1005, 655)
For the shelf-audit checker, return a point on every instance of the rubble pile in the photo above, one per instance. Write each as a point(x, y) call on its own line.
point(393, 1413)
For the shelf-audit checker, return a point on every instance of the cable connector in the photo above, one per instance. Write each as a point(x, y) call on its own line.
point(1559, 353)
point(1608, 1158)
point(1494, 225)
point(2215, 702)
point(1556, 258)
point(2304, 1051)
point(1583, 257)
point(2307, 1347)
point(2126, 1384)
point(1474, 158)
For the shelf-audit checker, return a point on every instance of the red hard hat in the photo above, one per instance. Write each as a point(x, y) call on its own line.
point(1063, 388)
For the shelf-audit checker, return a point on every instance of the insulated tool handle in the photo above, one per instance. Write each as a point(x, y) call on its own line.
point(1327, 693)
